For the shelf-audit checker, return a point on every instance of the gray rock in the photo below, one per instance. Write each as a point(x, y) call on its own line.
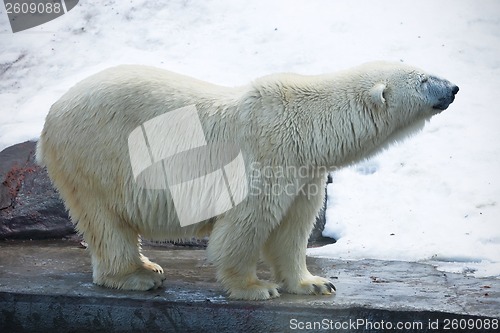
point(316, 238)
point(30, 208)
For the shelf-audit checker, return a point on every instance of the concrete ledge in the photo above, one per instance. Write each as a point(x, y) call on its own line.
point(46, 287)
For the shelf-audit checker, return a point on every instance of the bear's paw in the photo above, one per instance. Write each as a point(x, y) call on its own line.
point(311, 285)
point(257, 291)
point(151, 265)
point(142, 279)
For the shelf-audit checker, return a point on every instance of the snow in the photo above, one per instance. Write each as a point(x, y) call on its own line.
point(433, 198)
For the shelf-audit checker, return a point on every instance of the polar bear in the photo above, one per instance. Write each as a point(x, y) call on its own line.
point(291, 131)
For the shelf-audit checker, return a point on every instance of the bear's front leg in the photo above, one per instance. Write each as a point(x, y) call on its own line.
point(234, 248)
point(285, 249)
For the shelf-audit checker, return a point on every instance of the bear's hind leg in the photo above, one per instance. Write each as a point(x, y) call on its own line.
point(116, 258)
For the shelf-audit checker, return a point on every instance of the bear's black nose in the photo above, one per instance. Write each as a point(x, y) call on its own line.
point(455, 89)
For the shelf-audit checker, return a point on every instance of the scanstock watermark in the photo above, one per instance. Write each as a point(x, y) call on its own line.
point(25, 14)
point(170, 152)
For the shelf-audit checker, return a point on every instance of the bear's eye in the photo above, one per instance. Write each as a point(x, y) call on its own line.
point(424, 79)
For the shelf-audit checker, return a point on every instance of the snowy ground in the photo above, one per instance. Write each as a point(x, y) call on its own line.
point(434, 198)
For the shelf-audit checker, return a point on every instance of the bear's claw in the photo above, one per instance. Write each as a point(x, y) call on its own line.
point(311, 285)
point(148, 264)
point(153, 267)
point(331, 288)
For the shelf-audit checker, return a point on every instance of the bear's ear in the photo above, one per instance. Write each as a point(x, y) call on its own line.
point(377, 94)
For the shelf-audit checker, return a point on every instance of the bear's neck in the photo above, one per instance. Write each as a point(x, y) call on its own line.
point(326, 127)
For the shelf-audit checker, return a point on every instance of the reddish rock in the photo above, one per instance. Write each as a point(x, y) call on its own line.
point(30, 208)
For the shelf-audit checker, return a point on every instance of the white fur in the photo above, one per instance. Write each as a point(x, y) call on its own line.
point(281, 122)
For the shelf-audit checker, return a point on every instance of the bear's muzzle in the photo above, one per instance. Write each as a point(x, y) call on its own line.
point(445, 101)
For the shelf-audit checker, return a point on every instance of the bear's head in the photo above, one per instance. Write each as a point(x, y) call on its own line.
point(393, 101)
point(407, 91)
